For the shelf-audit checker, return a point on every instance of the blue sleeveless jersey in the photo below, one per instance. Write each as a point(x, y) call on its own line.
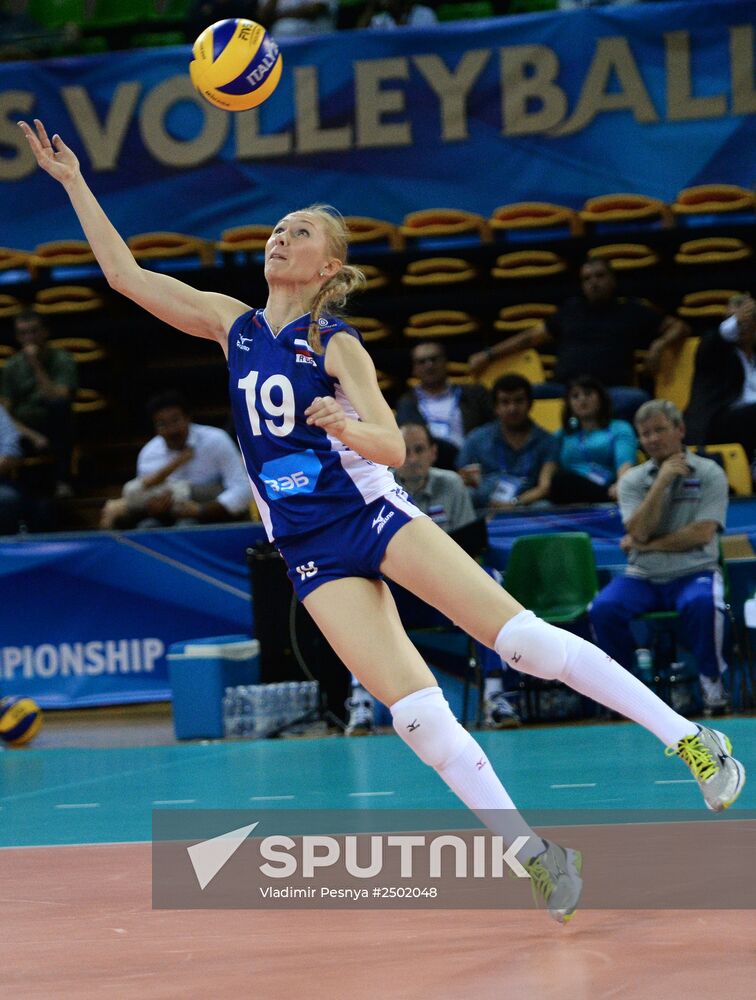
point(301, 477)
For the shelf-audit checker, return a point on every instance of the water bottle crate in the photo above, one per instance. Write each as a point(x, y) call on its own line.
point(255, 711)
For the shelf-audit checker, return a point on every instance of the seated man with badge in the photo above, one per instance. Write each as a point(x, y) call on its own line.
point(510, 461)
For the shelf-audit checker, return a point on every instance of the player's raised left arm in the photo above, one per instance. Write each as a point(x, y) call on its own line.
point(201, 314)
point(375, 436)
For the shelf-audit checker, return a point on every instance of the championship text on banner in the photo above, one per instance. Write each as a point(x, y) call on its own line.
point(558, 107)
point(87, 620)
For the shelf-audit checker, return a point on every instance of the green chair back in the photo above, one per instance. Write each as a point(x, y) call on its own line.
point(553, 575)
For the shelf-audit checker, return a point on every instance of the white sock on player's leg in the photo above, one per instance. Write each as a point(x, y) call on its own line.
point(425, 722)
point(535, 647)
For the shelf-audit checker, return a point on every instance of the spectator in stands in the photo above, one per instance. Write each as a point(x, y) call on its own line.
point(511, 461)
point(187, 474)
point(673, 507)
point(10, 456)
point(596, 334)
point(594, 450)
point(38, 387)
point(396, 14)
point(449, 411)
point(295, 18)
point(441, 495)
point(723, 396)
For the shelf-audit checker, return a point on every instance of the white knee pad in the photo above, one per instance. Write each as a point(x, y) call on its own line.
point(425, 722)
point(533, 646)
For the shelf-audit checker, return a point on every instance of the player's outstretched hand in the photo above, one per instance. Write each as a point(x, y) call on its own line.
point(55, 157)
point(325, 412)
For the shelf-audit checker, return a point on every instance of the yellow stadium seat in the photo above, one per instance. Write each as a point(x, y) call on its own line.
point(171, 246)
point(82, 349)
point(675, 375)
point(432, 223)
point(625, 207)
point(535, 215)
point(10, 260)
point(375, 277)
point(736, 466)
point(440, 323)
point(528, 264)
point(371, 329)
point(89, 401)
point(363, 229)
point(248, 238)
point(526, 363)
point(10, 306)
point(711, 303)
point(625, 256)
point(67, 299)
point(714, 199)
point(547, 413)
point(6, 351)
point(514, 319)
point(59, 253)
point(438, 271)
point(713, 250)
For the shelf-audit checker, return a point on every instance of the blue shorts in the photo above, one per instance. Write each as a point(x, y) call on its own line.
point(352, 546)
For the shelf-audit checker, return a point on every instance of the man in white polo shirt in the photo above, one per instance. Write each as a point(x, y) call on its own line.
point(673, 508)
point(187, 474)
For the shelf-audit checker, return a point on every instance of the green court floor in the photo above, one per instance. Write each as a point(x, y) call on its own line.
point(74, 796)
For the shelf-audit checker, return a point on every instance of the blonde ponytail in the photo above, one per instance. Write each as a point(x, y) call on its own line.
point(331, 298)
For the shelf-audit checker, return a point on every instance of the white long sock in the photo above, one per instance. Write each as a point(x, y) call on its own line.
point(535, 647)
point(425, 722)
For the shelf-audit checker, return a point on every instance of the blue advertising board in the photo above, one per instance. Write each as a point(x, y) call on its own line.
point(556, 107)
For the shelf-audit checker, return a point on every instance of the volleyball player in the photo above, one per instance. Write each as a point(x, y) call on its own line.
point(317, 437)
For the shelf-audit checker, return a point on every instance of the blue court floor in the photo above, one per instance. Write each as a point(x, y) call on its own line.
point(87, 796)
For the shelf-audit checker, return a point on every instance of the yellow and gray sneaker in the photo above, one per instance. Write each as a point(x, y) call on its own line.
point(555, 879)
point(708, 754)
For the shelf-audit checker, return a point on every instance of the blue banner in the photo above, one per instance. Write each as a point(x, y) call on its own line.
point(88, 619)
point(556, 107)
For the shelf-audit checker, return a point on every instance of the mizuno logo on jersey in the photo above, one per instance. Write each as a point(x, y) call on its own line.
point(307, 570)
point(242, 342)
point(381, 519)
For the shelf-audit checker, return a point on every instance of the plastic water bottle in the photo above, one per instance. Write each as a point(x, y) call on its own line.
point(644, 661)
point(247, 711)
point(265, 723)
point(311, 696)
point(229, 709)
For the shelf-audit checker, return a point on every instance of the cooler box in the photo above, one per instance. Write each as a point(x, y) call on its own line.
point(199, 671)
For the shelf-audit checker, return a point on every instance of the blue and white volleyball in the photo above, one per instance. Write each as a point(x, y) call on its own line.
point(236, 65)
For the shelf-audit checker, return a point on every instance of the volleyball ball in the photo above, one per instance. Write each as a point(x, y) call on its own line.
point(20, 720)
point(236, 65)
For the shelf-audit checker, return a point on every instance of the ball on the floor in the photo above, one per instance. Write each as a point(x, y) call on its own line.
point(20, 720)
point(236, 65)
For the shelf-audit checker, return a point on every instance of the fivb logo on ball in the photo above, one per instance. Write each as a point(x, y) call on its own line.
point(236, 65)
